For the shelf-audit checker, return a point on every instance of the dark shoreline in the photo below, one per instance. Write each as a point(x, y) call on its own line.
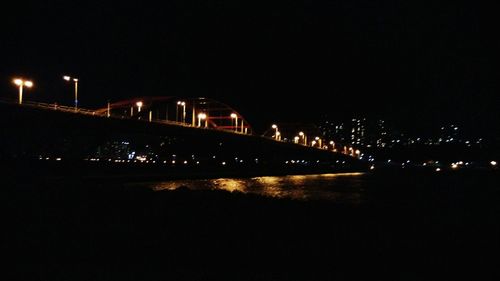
point(33, 171)
point(415, 226)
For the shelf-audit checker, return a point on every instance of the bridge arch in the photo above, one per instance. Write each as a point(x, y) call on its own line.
point(196, 112)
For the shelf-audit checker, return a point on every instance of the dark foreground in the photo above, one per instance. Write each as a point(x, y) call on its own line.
point(412, 226)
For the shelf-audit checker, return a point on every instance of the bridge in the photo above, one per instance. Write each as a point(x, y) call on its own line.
point(195, 112)
point(161, 132)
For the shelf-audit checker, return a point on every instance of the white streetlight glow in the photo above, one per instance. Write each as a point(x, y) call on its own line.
point(235, 117)
point(139, 105)
point(183, 104)
point(202, 116)
point(69, 78)
point(275, 127)
point(21, 83)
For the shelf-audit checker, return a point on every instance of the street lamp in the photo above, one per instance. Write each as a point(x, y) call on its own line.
point(21, 83)
point(183, 104)
point(139, 106)
point(319, 142)
point(357, 152)
point(202, 116)
point(296, 139)
point(275, 127)
point(332, 143)
point(302, 135)
point(68, 78)
point(235, 117)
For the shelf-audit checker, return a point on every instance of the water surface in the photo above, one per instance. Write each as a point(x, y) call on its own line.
point(341, 187)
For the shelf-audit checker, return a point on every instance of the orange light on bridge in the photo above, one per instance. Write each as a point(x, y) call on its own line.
point(275, 127)
point(302, 135)
point(332, 143)
point(319, 141)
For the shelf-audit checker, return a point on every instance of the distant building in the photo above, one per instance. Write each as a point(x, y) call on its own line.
point(114, 150)
point(382, 136)
point(358, 131)
point(336, 131)
point(353, 132)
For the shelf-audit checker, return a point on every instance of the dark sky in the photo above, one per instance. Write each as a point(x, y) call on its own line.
point(406, 61)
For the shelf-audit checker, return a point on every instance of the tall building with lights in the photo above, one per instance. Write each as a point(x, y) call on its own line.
point(358, 131)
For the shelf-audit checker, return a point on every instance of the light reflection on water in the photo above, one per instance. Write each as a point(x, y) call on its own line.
point(341, 187)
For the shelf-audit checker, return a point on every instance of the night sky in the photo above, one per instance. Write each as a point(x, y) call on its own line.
point(412, 63)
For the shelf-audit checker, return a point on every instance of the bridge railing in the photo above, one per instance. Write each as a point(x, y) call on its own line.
point(55, 106)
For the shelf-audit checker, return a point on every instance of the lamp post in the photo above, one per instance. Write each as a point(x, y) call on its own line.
point(139, 106)
point(357, 152)
point(275, 127)
point(183, 104)
point(235, 117)
point(21, 83)
point(319, 141)
point(202, 116)
point(68, 78)
point(193, 114)
point(296, 139)
point(302, 135)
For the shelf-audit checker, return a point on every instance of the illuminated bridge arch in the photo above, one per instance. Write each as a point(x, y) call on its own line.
point(194, 112)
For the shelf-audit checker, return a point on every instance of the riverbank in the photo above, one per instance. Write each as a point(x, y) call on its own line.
point(36, 171)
